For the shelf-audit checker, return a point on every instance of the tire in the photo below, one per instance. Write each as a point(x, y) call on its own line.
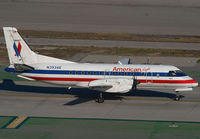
point(100, 100)
point(177, 98)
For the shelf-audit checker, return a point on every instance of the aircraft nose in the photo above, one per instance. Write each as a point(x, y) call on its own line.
point(195, 83)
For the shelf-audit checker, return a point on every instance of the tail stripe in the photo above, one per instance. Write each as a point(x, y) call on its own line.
point(16, 49)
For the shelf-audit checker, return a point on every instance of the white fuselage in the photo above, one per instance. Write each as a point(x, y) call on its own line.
point(78, 74)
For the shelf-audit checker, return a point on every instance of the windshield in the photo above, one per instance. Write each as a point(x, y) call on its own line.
point(180, 73)
point(176, 73)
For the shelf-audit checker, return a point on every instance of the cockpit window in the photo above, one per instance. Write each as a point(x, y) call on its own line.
point(176, 72)
point(180, 73)
point(171, 73)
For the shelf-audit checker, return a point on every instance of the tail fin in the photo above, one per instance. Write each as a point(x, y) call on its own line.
point(18, 50)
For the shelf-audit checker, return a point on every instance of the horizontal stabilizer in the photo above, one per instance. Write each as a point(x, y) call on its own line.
point(30, 79)
point(124, 61)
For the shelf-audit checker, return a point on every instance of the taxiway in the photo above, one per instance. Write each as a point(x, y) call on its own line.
point(138, 17)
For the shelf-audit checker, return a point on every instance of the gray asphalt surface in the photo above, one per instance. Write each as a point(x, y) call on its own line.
point(34, 99)
point(137, 16)
point(108, 43)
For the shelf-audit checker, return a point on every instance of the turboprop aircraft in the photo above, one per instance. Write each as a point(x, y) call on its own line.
point(105, 78)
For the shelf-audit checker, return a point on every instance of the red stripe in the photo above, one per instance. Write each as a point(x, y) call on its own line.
point(63, 79)
point(169, 81)
point(19, 47)
point(92, 79)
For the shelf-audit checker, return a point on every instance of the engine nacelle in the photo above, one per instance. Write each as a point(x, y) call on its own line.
point(112, 85)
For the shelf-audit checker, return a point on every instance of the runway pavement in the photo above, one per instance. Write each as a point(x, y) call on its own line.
point(37, 99)
point(138, 17)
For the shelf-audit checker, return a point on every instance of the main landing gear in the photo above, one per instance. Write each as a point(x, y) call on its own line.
point(177, 97)
point(100, 98)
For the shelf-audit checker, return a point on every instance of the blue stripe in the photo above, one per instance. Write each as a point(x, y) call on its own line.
point(9, 69)
point(16, 50)
point(161, 74)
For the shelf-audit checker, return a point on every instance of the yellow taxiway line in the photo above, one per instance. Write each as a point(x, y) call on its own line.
point(17, 122)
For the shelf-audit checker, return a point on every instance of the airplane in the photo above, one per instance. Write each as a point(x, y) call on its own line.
point(105, 78)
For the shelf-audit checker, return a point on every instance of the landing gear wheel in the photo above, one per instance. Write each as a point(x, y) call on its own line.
point(177, 98)
point(100, 99)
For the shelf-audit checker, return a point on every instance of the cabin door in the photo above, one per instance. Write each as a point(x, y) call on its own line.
point(106, 73)
point(149, 76)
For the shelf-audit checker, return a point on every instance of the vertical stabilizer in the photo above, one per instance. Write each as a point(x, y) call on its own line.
point(18, 50)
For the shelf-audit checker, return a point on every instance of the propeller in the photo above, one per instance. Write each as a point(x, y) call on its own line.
point(135, 83)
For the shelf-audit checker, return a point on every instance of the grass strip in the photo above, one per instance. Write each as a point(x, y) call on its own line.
point(4, 120)
point(68, 128)
point(108, 36)
point(66, 52)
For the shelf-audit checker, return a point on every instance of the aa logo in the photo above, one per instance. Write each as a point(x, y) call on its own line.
point(17, 49)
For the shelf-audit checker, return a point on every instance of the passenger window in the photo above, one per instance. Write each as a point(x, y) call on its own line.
point(101, 73)
point(107, 73)
point(95, 73)
point(132, 73)
point(119, 73)
point(142, 73)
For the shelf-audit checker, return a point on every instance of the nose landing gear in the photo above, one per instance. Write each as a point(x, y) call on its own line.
point(177, 97)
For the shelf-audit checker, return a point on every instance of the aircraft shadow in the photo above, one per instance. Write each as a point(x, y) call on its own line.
point(83, 94)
